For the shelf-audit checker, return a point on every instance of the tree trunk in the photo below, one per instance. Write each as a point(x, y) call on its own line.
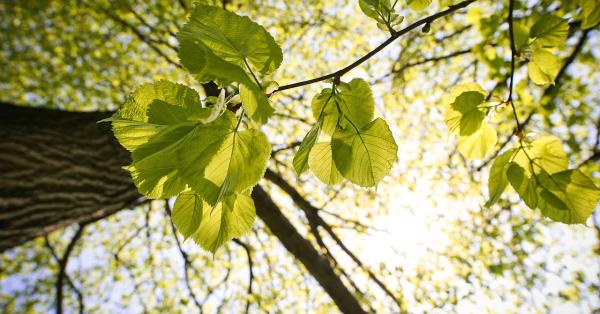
point(58, 168)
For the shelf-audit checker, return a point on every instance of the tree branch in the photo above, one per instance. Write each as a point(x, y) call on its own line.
point(62, 268)
point(550, 93)
point(304, 251)
point(248, 250)
point(391, 39)
point(186, 261)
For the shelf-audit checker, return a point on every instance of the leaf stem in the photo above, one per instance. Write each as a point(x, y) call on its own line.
point(391, 39)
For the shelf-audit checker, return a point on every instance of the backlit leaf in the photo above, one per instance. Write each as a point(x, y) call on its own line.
point(321, 163)
point(231, 218)
point(364, 156)
point(187, 213)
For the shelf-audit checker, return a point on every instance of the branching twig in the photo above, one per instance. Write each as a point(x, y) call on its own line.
point(391, 39)
point(248, 250)
point(186, 261)
point(62, 268)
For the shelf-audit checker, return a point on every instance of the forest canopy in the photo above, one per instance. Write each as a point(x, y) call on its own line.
point(299, 156)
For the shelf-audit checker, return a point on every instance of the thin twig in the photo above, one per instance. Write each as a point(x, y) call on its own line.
point(62, 268)
point(248, 250)
point(373, 52)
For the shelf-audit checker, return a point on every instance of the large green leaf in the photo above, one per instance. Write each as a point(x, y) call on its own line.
point(155, 168)
point(378, 10)
point(151, 108)
point(543, 67)
point(546, 151)
point(497, 180)
point(230, 219)
point(568, 196)
point(463, 113)
point(525, 186)
point(354, 100)
point(256, 104)
point(364, 156)
point(321, 163)
point(215, 44)
point(549, 31)
point(418, 5)
point(549, 154)
point(187, 213)
point(301, 156)
point(324, 108)
point(590, 12)
point(239, 164)
point(477, 145)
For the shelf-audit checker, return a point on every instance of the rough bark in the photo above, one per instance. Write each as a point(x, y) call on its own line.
point(58, 168)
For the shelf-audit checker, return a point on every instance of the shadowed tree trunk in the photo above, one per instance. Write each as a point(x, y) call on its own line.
point(58, 168)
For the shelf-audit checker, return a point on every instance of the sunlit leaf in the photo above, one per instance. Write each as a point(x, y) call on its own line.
point(497, 180)
point(256, 104)
point(418, 5)
point(187, 213)
point(365, 156)
point(216, 44)
point(151, 108)
point(590, 12)
point(477, 145)
point(550, 31)
point(568, 196)
point(321, 163)
point(239, 164)
point(231, 218)
point(525, 186)
point(543, 67)
point(301, 156)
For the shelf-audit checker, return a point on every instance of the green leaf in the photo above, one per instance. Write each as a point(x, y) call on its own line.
point(549, 154)
point(301, 156)
point(229, 219)
point(546, 151)
point(463, 114)
point(238, 165)
point(477, 145)
point(543, 67)
point(187, 213)
point(550, 31)
point(521, 32)
point(256, 104)
point(321, 163)
point(497, 180)
point(324, 108)
point(568, 196)
point(418, 5)
point(215, 44)
point(151, 108)
point(471, 116)
point(590, 12)
point(366, 155)
point(378, 10)
point(155, 168)
point(524, 185)
point(354, 100)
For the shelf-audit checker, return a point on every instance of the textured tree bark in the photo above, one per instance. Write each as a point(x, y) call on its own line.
point(58, 168)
